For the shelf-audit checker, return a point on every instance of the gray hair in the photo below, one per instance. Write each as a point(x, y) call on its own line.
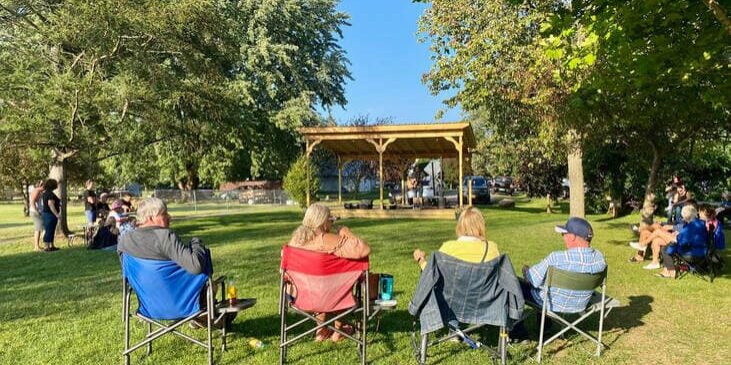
point(689, 213)
point(150, 208)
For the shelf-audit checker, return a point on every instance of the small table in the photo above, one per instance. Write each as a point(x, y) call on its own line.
point(378, 306)
point(227, 313)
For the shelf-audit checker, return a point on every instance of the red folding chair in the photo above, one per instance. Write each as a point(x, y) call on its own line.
point(313, 283)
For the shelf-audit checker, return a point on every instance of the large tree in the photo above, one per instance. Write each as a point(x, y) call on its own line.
point(650, 74)
point(497, 57)
point(661, 77)
point(181, 82)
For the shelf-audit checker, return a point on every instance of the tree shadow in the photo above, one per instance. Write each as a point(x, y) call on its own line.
point(15, 225)
point(69, 277)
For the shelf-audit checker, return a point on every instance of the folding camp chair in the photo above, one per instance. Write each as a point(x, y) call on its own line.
point(462, 303)
point(166, 293)
point(705, 267)
point(562, 279)
point(313, 283)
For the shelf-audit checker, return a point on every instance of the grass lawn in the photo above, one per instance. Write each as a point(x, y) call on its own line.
point(64, 307)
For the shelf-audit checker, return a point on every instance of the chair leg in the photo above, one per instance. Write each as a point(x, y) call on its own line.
point(364, 339)
point(149, 344)
point(540, 332)
point(223, 334)
point(503, 346)
point(422, 349)
point(282, 327)
point(210, 322)
point(125, 310)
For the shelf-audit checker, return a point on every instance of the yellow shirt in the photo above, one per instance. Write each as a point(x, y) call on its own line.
point(470, 249)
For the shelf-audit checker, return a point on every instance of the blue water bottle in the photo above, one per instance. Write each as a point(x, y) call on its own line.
point(386, 285)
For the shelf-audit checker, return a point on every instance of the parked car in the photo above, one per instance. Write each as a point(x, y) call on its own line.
point(480, 189)
point(503, 184)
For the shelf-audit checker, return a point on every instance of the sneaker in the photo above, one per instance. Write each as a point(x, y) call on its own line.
point(637, 246)
point(652, 266)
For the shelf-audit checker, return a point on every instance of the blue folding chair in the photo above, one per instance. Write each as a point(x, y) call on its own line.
point(166, 292)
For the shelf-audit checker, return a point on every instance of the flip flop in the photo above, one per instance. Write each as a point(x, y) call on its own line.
point(634, 259)
point(337, 337)
point(323, 334)
point(664, 276)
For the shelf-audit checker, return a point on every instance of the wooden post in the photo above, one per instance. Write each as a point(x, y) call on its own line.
point(308, 151)
point(340, 180)
point(458, 145)
point(461, 187)
point(380, 168)
point(380, 148)
point(469, 193)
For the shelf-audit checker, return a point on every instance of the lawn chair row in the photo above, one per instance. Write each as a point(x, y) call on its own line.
point(312, 283)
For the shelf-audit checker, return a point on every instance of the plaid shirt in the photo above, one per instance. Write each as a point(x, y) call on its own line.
point(582, 260)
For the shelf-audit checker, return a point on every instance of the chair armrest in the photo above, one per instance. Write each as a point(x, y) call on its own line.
point(220, 281)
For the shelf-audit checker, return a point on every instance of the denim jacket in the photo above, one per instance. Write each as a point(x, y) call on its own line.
point(475, 293)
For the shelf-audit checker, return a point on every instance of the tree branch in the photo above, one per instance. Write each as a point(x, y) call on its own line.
point(719, 13)
point(74, 113)
point(126, 151)
point(18, 16)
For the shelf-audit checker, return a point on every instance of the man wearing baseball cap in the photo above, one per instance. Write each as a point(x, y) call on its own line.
point(578, 257)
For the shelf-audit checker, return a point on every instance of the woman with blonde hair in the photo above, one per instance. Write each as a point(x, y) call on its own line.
point(471, 244)
point(316, 233)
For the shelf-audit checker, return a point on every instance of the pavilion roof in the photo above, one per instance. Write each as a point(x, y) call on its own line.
point(406, 140)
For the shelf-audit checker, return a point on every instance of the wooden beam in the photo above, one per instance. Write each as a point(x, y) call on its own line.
point(311, 145)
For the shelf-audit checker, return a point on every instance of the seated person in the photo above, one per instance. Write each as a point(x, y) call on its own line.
point(154, 240)
point(578, 257)
point(470, 245)
point(708, 214)
point(663, 235)
point(102, 208)
point(317, 234)
point(690, 242)
point(127, 203)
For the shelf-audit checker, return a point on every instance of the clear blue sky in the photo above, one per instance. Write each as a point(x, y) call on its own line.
point(387, 62)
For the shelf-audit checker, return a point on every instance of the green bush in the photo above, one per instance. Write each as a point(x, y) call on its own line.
point(295, 183)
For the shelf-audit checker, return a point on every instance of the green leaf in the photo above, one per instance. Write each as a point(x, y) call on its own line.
point(589, 59)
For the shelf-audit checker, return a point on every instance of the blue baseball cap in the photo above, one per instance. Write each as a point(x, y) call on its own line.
point(577, 226)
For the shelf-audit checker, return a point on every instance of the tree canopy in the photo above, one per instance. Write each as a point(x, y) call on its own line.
point(185, 84)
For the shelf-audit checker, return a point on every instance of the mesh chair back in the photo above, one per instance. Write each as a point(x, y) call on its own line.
point(323, 282)
point(557, 278)
point(165, 291)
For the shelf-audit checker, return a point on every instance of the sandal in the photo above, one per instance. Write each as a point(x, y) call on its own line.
point(323, 334)
point(337, 337)
point(665, 276)
point(635, 259)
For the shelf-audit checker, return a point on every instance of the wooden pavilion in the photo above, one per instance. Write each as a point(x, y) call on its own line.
point(442, 140)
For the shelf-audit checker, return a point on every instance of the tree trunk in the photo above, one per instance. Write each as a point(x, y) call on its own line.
point(648, 206)
point(58, 172)
point(549, 202)
point(576, 176)
point(26, 198)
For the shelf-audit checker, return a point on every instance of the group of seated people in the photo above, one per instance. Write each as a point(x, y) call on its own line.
point(153, 239)
point(113, 220)
point(688, 237)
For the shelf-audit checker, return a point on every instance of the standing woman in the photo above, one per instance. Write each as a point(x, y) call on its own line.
point(51, 212)
point(35, 208)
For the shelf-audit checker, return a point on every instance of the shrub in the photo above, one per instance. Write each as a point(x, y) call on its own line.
point(295, 182)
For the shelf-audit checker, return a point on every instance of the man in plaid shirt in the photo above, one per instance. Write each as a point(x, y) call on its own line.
point(578, 257)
